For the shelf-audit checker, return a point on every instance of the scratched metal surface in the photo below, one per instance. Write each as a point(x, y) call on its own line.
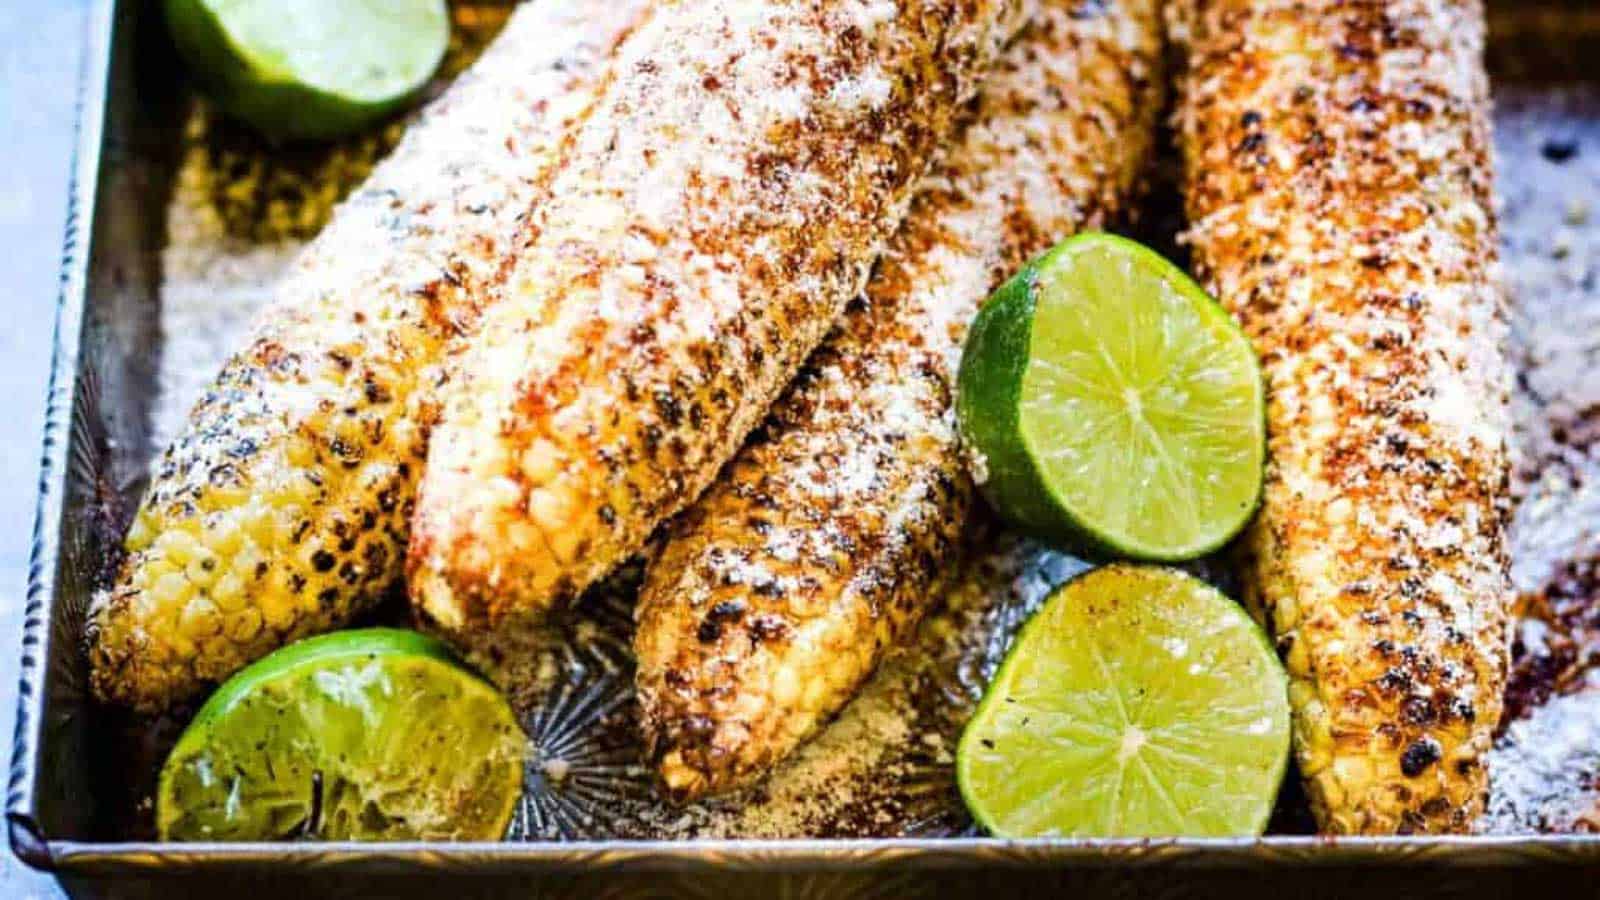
point(106, 405)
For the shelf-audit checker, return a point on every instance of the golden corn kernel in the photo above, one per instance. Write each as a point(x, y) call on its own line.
point(541, 461)
point(246, 561)
point(816, 691)
point(139, 533)
point(785, 687)
point(300, 453)
point(243, 625)
point(178, 546)
point(200, 619)
point(170, 590)
point(202, 572)
point(261, 525)
point(228, 593)
point(223, 536)
point(277, 610)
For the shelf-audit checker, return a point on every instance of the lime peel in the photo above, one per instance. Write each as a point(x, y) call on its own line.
point(1117, 408)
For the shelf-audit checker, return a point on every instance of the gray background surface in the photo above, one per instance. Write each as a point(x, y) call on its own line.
point(41, 49)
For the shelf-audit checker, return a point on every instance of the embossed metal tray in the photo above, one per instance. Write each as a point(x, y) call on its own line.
point(170, 204)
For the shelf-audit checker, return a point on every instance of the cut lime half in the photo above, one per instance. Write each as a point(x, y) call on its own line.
point(1138, 702)
point(1112, 405)
point(378, 734)
point(311, 68)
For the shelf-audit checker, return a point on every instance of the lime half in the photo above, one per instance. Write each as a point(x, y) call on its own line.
point(1139, 702)
point(1111, 404)
point(376, 734)
point(311, 68)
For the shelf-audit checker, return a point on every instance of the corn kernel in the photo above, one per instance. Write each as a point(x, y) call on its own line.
point(199, 574)
point(228, 593)
point(178, 546)
point(179, 645)
point(541, 461)
point(243, 625)
point(200, 619)
point(224, 497)
point(816, 691)
point(170, 590)
point(155, 568)
point(785, 687)
point(139, 534)
point(300, 453)
point(277, 609)
point(259, 524)
point(223, 536)
point(551, 511)
point(246, 561)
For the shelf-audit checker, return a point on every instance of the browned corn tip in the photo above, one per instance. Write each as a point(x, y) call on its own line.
point(726, 198)
point(282, 509)
point(758, 626)
point(1339, 192)
point(778, 593)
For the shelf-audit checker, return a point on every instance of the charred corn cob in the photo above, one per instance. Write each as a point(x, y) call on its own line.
point(282, 509)
point(778, 592)
point(725, 199)
point(1338, 188)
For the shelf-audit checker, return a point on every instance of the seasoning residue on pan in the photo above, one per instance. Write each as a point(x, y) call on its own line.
point(1545, 771)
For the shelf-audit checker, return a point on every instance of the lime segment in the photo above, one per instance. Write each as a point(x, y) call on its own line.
point(376, 734)
point(311, 68)
point(1138, 702)
point(1114, 405)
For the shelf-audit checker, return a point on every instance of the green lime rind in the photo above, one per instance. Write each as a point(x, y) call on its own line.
point(311, 69)
point(338, 645)
point(989, 405)
point(374, 734)
point(1043, 366)
point(1138, 702)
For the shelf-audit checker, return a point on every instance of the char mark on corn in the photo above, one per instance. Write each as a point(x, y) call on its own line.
point(1340, 199)
point(283, 507)
point(777, 594)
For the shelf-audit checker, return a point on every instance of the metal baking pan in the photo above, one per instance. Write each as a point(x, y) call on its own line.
point(170, 204)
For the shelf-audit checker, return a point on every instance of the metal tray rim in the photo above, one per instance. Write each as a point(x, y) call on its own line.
point(828, 855)
point(26, 838)
point(39, 850)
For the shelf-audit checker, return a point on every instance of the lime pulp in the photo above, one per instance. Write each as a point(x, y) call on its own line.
point(375, 734)
point(1138, 702)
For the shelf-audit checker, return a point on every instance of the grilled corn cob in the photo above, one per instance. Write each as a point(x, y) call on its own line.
point(778, 592)
point(726, 198)
point(1338, 188)
point(282, 509)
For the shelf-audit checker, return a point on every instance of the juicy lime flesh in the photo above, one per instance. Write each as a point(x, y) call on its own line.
point(369, 50)
point(1138, 702)
point(1141, 403)
point(369, 736)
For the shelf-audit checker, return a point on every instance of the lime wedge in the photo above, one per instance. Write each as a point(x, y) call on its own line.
point(1113, 406)
point(310, 68)
point(376, 734)
point(1138, 702)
